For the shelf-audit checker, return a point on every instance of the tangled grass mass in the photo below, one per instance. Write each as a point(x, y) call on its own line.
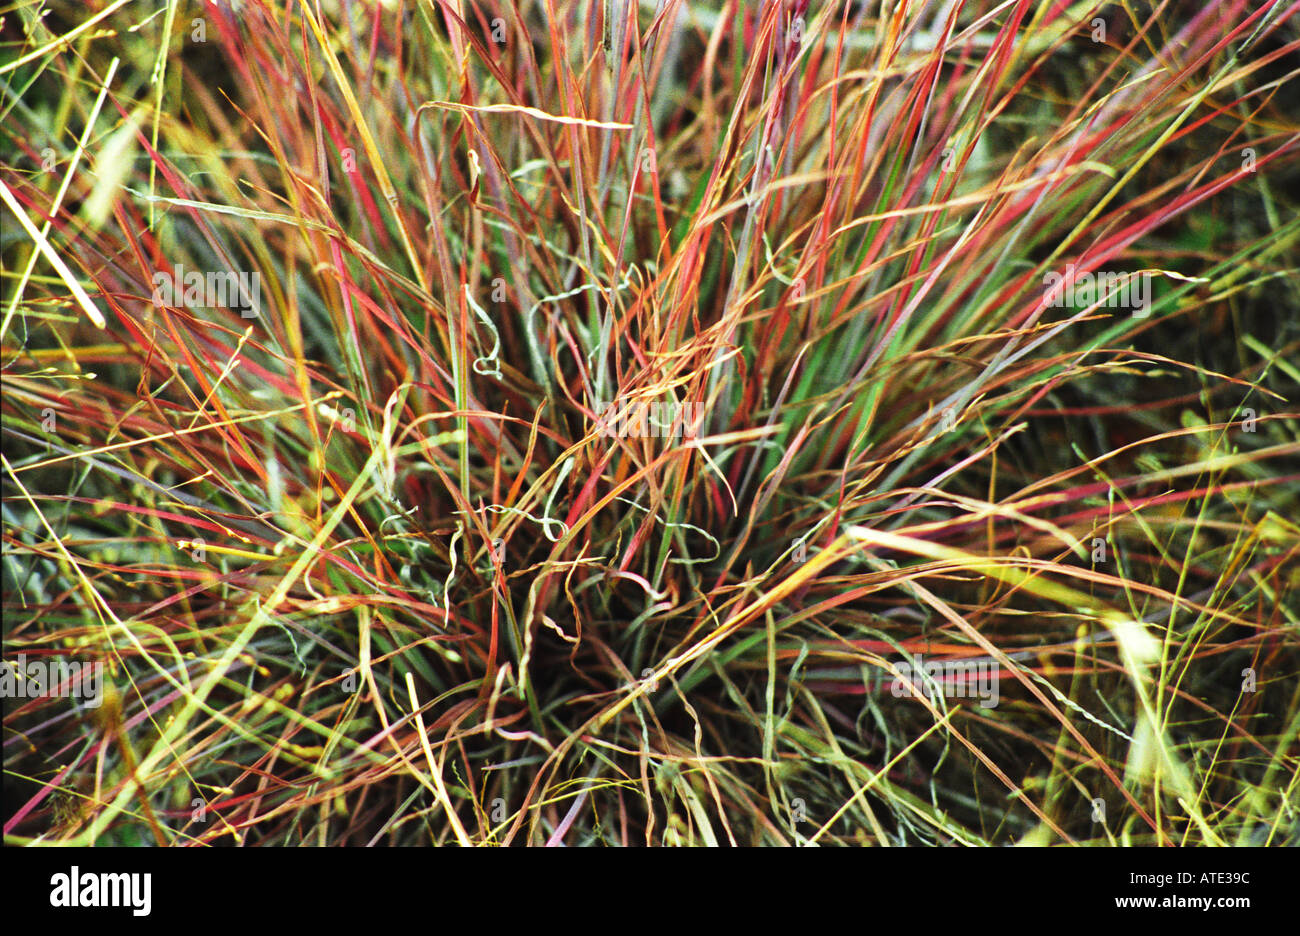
point(675, 422)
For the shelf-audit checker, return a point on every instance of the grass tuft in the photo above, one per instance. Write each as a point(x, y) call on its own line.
point(664, 423)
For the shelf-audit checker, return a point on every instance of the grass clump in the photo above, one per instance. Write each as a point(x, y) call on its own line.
point(571, 423)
